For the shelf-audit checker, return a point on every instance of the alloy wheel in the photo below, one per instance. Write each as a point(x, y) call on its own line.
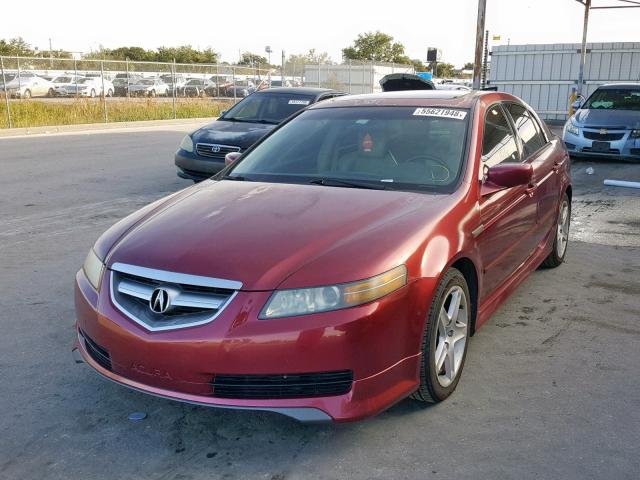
point(453, 327)
point(562, 231)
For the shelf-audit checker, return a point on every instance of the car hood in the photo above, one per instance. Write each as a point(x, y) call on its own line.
point(260, 233)
point(607, 118)
point(241, 134)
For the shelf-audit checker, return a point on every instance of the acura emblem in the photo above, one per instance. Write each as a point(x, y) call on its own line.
point(159, 301)
point(215, 148)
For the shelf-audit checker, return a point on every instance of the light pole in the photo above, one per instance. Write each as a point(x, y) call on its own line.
point(268, 50)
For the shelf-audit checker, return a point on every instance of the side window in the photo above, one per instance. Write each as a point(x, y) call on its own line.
point(498, 143)
point(528, 129)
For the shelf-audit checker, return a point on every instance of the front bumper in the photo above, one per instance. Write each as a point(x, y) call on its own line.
point(623, 148)
point(195, 167)
point(379, 342)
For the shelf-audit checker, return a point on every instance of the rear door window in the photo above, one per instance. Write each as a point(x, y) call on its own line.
point(528, 129)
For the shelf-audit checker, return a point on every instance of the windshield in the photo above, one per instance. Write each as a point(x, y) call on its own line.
point(167, 78)
point(398, 148)
point(614, 99)
point(86, 80)
point(8, 77)
point(195, 82)
point(62, 80)
point(268, 107)
point(146, 82)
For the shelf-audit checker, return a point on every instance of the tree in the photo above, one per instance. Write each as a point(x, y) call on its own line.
point(468, 66)
point(378, 47)
point(15, 46)
point(310, 57)
point(418, 65)
point(443, 70)
point(181, 54)
point(252, 59)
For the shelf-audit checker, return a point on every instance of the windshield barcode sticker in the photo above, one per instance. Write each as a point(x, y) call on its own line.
point(298, 102)
point(441, 112)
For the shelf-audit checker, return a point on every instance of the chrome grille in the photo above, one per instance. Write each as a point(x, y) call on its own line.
point(190, 300)
point(213, 150)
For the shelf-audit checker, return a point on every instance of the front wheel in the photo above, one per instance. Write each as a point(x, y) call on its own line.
point(50, 93)
point(92, 94)
point(445, 339)
point(561, 239)
point(109, 93)
point(152, 94)
point(27, 93)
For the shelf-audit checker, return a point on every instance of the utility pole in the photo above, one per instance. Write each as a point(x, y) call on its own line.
point(477, 64)
point(50, 55)
point(583, 52)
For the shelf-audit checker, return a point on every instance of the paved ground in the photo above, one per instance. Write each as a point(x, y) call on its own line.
point(550, 390)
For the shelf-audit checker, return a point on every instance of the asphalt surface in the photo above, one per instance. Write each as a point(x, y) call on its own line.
point(550, 389)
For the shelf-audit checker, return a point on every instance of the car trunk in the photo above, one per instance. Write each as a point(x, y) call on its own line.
point(397, 82)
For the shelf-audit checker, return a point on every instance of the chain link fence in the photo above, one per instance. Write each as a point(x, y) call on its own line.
point(41, 91)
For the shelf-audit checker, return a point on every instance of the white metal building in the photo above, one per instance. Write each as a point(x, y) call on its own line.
point(355, 77)
point(543, 75)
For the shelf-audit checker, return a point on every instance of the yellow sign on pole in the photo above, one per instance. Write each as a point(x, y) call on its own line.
point(497, 37)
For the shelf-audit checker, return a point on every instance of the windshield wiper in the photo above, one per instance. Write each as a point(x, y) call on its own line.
point(336, 182)
point(236, 178)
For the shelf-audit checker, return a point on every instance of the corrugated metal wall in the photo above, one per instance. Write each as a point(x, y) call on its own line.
point(543, 75)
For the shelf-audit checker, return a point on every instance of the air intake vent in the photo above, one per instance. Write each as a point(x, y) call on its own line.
point(96, 352)
point(297, 385)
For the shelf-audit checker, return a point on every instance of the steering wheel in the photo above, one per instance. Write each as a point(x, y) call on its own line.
point(439, 170)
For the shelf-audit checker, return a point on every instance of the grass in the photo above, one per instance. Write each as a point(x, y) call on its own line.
point(36, 113)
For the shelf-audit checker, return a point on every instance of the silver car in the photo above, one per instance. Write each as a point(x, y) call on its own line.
point(607, 125)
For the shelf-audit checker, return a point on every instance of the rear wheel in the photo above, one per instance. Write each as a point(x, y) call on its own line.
point(27, 93)
point(152, 93)
point(561, 240)
point(50, 93)
point(445, 339)
point(109, 93)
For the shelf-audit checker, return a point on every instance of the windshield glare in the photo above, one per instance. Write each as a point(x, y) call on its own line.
point(614, 99)
point(394, 147)
point(268, 107)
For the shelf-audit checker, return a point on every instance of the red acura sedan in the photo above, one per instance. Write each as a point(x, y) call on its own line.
point(339, 265)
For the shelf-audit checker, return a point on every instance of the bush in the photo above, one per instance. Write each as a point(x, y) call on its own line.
point(35, 113)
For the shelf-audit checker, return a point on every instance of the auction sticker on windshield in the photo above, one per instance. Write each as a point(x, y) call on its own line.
point(298, 102)
point(441, 112)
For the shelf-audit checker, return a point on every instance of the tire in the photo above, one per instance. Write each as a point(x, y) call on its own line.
point(561, 237)
point(445, 323)
point(92, 94)
point(50, 93)
point(152, 94)
point(109, 93)
point(27, 93)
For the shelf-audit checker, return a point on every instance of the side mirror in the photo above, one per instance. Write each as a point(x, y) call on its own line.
point(508, 175)
point(231, 157)
point(223, 112)
point(577, 105)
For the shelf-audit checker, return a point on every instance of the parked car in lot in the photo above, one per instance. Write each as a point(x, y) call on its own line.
point(27, 85)
point(197, 87)
point(90, 87)
point(122, 82)
point(149, 87)
point(201, 153)
point(61, 83)
point(339, 266)
point(607, 125)
point(174, 82)
point(240, 89)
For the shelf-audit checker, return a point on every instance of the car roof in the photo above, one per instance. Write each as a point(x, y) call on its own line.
point(417, 98)
point(619, 85)
point(298, 90)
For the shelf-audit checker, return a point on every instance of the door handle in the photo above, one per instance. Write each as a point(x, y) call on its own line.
point(531, 189)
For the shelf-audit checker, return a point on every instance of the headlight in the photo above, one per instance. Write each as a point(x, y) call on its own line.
point(635, 134)
point(288, 303)
point(571, 128)
point(93, 269)
point(187, 143)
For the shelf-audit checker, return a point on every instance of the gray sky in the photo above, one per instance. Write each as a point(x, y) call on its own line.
point(297, 26)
